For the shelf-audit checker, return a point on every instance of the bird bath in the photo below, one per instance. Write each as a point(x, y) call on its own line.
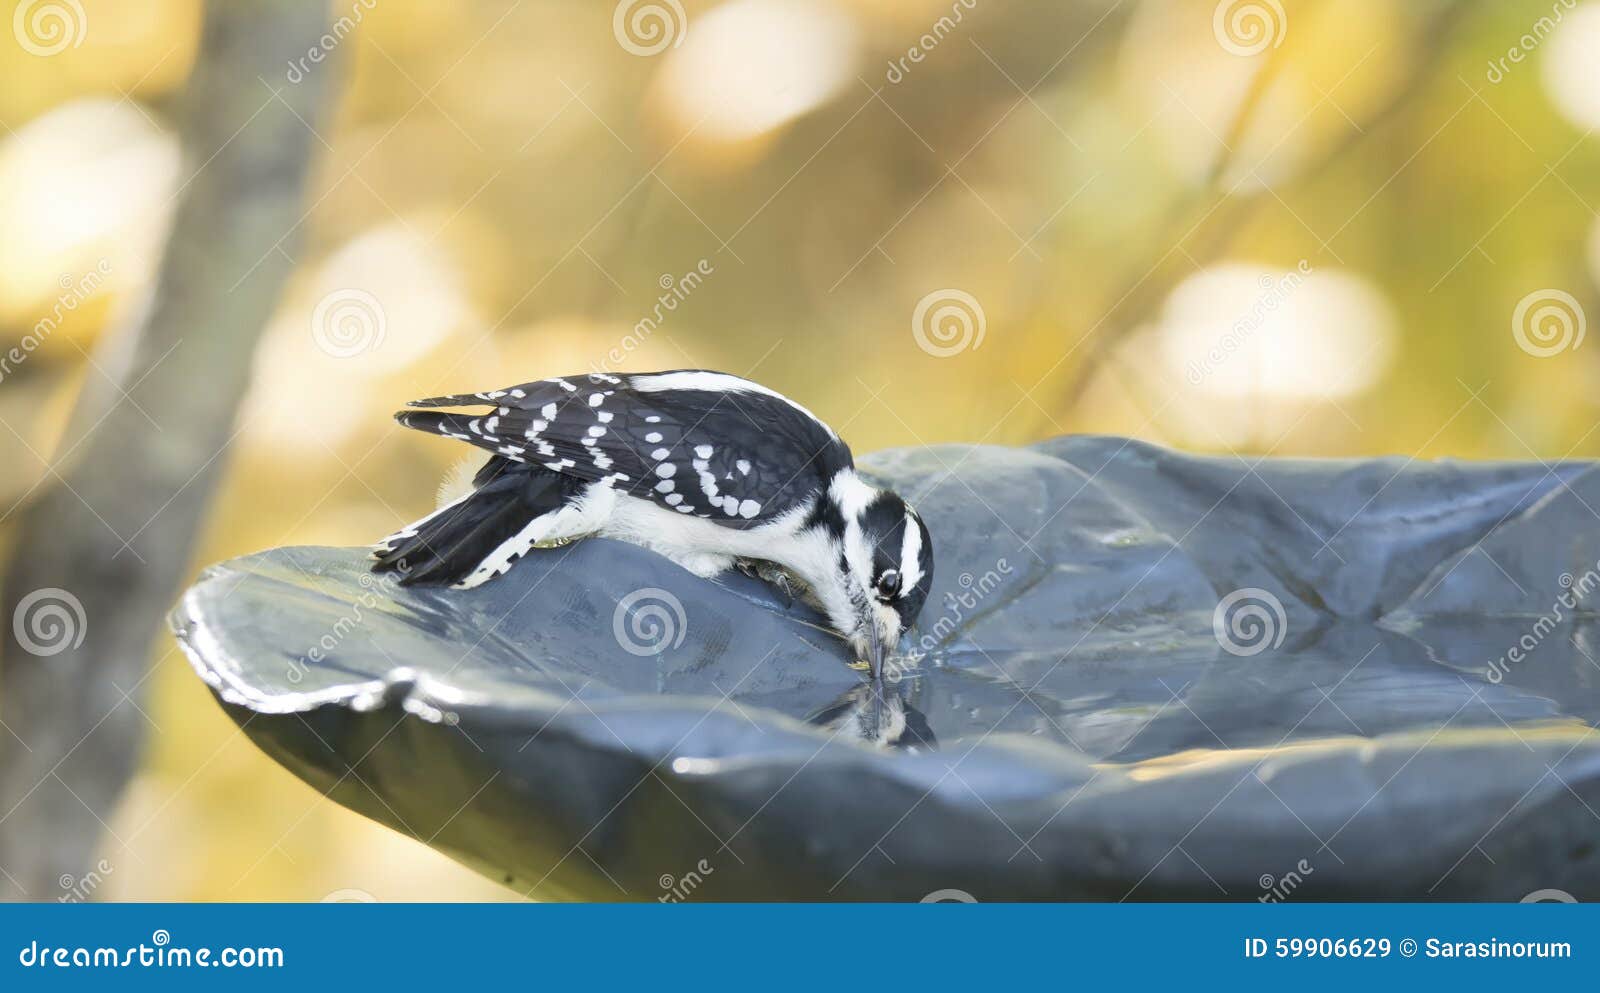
point(1140, 675)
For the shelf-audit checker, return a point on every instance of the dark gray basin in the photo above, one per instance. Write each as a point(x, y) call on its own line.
point(1141, 675)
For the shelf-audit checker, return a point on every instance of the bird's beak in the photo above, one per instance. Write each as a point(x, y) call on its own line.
point(874, 648)
point(875, 653)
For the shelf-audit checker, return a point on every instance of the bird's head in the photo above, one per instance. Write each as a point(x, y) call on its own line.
point(884, 565)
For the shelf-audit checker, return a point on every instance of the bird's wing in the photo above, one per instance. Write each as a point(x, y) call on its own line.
point(699, 442)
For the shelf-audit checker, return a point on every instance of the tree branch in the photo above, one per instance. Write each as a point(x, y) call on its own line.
point(98, 557)
point(1222, 215)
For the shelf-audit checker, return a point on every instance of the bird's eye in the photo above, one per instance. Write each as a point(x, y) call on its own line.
point(889, 584)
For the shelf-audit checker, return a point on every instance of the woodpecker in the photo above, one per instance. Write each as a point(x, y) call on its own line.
point(886, 720)
point(710, 470)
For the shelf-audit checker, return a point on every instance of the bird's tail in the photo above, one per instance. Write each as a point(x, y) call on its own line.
point(477, 537)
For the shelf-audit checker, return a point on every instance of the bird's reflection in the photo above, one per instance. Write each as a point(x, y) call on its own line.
point(888, 720)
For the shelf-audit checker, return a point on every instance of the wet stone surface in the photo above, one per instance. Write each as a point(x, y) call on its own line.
point(1140, 674)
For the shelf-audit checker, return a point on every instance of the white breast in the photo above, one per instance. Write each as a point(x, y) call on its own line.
point(684, 536)
point(706, 548)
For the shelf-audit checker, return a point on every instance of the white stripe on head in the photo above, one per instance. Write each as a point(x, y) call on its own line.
point(911, 554)
point(713, 382)
point(851, 494)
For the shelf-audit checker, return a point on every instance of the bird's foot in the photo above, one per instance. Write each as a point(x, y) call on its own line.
point(790, 586)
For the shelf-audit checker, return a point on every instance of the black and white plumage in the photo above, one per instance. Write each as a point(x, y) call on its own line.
point(708, 469)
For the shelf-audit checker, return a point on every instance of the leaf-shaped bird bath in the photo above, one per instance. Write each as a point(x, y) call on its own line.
point(1143, 675)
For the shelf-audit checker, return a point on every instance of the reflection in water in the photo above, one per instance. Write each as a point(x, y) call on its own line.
point(889, 721)
point(1346, 679)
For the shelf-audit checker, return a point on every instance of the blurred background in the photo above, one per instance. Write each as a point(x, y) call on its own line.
point(1296, 227)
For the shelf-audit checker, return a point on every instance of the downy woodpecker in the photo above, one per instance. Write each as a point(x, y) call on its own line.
point(707, 469)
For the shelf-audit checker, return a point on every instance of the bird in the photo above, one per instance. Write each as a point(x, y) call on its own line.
point(712, 471)
point(887, 720)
